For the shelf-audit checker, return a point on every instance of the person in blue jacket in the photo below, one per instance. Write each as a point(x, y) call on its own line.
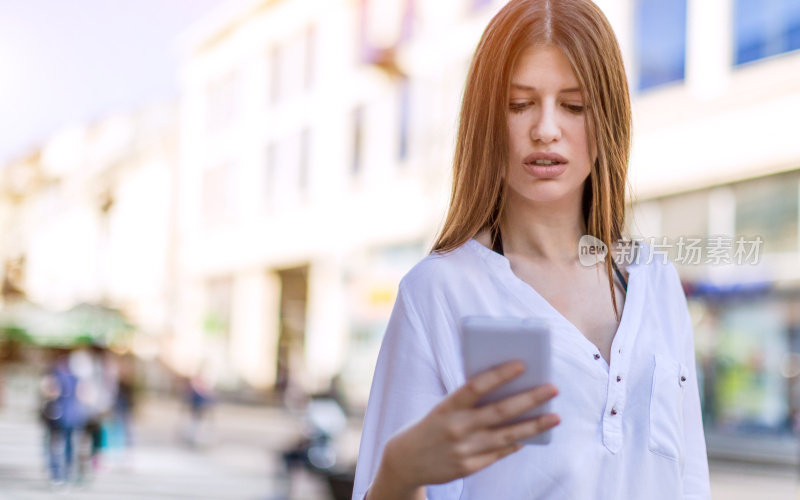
point(64, 416)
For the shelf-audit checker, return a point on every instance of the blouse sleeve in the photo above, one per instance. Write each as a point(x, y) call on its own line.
point(405, 387)
point(695, 472)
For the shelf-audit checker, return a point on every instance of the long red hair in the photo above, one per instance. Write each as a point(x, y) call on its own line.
point(582, 31)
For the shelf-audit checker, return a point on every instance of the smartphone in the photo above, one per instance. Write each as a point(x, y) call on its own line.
point(490, 341)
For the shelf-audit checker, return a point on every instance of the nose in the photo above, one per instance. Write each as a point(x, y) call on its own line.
point(545, 127)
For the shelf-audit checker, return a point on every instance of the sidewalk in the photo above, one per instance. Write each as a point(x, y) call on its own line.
point(240, 459)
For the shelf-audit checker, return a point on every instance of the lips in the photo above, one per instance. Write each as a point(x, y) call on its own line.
point(553, 157)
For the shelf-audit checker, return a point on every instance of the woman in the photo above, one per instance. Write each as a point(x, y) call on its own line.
point(541, 160)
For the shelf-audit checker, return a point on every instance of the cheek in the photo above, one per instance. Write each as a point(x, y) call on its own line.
point(516, 135)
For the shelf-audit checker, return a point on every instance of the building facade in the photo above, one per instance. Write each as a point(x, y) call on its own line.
point(265, 226)
point(316, 147)
point(87, 219)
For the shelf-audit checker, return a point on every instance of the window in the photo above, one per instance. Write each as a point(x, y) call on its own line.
point(478, 4)
point(303, 163)
point(310, 55)
point(217, 319)
point(223, 102)
point(291, 65)
point(684, 216)
point(275, 57)
point(287, 163)
point(218, 195)
point(270, 167)
point(295, 76)
point(404, 105)
point(383, 24)
point(407, 21)
point(768, 207)
point(660, 34)
point(764, 28)
point(358, 132)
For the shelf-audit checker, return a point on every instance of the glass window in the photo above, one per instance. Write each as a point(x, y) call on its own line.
point(742, 364)
point(683, 217)
point(660, 34)
point(275, 57)
point(218, 195)
point(477, 4)
point(404, 102)
point(765, 27)
point(358, 132)
point(305, 154)
point(685, 214)
point(218, 306)
point(768, 207)
point(310, 56)
point(223, 102)
point(383, 24)
point(270, 174)
point(407, 21)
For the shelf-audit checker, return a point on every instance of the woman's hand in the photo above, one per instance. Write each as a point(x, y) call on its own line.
point(456, 439)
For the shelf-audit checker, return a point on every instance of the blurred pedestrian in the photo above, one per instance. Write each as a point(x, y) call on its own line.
point(63, 415)
point(199, 398)
point(124, 403)
point(96, 370)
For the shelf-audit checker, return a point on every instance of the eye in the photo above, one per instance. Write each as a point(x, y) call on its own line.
point(518, 107)
point(574, 108)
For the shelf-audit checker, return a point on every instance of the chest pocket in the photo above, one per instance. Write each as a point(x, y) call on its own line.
point(666, 407)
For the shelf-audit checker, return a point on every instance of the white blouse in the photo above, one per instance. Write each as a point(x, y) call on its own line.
point(629, 430)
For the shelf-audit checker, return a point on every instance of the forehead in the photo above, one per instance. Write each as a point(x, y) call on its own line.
point(544, 68)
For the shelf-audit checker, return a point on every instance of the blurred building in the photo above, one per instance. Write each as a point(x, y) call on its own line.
point(716, 160)
point(306, 187)
point(315, 155)
point(260, 231)
point(87, 219)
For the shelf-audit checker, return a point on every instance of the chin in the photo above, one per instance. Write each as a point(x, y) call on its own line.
point(540, 197)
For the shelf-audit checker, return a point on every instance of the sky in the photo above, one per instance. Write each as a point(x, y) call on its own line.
point(64, 62)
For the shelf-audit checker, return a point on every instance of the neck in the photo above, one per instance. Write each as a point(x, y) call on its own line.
point(543, 231)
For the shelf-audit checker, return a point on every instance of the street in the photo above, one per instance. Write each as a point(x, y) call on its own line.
point(239, 459)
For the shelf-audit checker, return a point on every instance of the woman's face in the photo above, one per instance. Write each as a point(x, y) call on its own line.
point(546, 115)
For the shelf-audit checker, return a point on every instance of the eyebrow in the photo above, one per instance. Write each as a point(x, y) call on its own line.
point(519, 86)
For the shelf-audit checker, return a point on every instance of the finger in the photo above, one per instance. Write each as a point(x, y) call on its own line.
point(512, 406)
point(513, 433)
point(483, 460)
point(492, 440)
point(468, 394)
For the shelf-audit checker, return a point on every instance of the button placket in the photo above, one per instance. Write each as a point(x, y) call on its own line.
point(612, 419)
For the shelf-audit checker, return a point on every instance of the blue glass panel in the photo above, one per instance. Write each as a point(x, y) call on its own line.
point(764, 28)
point(660, 36)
